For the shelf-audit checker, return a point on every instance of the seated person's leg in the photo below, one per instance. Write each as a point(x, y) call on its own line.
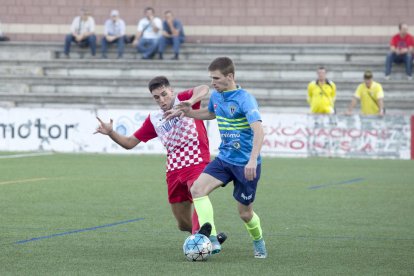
point(68, 40)
point(176, 46)
point(162, 45)
point(92, 43)
point(388, 63)
point(104, 47)
point(152, 48)
point(408, 61)
point(141, 45)
point(121, 45)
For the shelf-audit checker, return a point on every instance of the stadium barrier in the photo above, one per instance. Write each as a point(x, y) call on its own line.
point(291, 135)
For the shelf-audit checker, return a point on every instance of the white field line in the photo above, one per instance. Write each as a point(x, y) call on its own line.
point(18, 181)
point(25, 155)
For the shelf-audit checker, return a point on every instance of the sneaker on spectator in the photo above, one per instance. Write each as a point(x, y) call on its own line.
point(409, 78)
point(387, 77)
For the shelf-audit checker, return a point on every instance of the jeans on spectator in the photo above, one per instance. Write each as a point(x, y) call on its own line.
point(147, 47)
point(175, 41)
point(392, 57)
point(120, 42)
point(88, 41)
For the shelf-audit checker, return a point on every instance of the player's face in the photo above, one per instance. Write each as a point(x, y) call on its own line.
point(368, 82)
point(404, 29)
point(164, 96)
point(221, 82)
point(321, 75)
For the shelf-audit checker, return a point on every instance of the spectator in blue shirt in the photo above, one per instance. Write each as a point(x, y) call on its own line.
point(173, 34)
point(114, 32)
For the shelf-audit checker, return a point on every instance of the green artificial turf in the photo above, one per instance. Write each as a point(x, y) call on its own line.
point(358, 221)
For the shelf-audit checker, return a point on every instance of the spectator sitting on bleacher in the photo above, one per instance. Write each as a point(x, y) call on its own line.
point(82, 33)
point(321, 94)
point(114, 32)
point(148, 34)
point(370, 94)
point(401, 51)
point(172, 34)
point(2, 36)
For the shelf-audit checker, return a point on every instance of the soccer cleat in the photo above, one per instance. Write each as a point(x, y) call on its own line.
point(221, 237)
point(260, 249)
point(205, 229)
point(216, 246)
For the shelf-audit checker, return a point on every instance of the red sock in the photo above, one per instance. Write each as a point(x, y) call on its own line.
point(195, 223)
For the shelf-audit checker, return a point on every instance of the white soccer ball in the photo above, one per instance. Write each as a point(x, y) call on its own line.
point(197, 247)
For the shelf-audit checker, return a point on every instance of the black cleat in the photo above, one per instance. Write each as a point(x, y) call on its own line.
point(205, 229)
point(221, 237)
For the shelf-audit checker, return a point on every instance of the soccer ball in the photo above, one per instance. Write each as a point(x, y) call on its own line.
point(197, 247)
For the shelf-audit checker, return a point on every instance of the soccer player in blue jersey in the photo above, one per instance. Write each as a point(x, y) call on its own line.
point(242, 135)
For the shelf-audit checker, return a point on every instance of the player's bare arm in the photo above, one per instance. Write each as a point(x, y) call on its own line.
point(258, 137)
point(124, 141)
point(199, 93)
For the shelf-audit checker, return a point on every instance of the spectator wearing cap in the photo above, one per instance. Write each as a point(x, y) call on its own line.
point(172, 34)
point(322, 94)
point(114, 32)
point(82, 33)
point(370, 94)
point(149, 31)
point(401, 51)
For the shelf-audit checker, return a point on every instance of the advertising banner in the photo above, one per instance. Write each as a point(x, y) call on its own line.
point(291, 135)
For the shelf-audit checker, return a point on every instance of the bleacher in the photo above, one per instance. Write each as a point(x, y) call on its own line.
point(38, 74)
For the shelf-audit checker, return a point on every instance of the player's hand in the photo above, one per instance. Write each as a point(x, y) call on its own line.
point(104, 128)
point(250, 170)
point(172, 113)
point(185, 106)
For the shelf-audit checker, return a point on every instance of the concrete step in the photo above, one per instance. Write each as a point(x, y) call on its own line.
point(137, 100)
point(129, 85)
point(279, 71)
point(320, 53)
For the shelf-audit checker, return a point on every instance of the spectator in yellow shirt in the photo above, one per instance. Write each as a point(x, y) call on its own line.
point(371, 95)
point(321, 94)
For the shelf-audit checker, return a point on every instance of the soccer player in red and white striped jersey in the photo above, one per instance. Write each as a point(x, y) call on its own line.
point(185, 140)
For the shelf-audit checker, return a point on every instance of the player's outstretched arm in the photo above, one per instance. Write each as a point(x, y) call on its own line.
point(258, 137)
point(123, 141)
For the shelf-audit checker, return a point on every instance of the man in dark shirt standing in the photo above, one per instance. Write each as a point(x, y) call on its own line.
point(173, 34)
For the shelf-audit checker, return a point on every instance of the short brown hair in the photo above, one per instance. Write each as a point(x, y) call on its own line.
point(223, 64)
point(158, 82)
point(368, 75)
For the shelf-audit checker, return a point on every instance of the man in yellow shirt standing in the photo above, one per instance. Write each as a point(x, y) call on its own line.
point(371, 95)
point(321, 94)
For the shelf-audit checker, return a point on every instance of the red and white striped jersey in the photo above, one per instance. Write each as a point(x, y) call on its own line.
point(185, 139)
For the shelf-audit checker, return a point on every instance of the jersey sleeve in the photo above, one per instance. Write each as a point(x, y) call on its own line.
point(357, 93)
point(393, 41)
point(211, 104)
point(146, 132)
point(333, 85)
point(380, 92)
point(186, 95)
point(251, 109)
point(310, 87)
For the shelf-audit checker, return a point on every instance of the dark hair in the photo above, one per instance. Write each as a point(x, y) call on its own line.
point(168, 11)
point(368, 75)
point(158, 82)
point(223, 64)
point(149, 9)
point(321, 68)
point(400, 25)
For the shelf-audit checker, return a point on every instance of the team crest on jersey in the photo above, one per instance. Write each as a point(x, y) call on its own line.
point(232, 109)
point(236, 145)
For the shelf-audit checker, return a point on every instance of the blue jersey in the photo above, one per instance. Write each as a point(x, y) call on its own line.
point(235, 111)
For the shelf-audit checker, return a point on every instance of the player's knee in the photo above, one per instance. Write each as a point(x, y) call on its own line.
point(196, 191)
point(246, 215)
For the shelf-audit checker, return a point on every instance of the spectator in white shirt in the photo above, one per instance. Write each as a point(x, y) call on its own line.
point(82, 33)
point(114, 32)
point(149, 32)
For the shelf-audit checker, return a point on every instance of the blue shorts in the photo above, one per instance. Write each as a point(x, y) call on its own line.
point(244, 190)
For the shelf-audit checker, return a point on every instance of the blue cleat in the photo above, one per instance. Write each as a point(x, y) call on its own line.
point(260, 251)
point(216, 246)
